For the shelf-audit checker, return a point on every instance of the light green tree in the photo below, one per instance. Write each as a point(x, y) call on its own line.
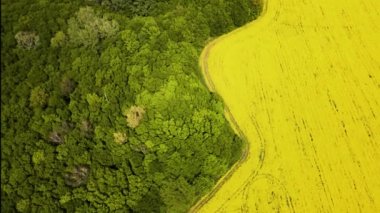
point(87, 29)
point(38, 157)
point(58, 40)
point(38, 97)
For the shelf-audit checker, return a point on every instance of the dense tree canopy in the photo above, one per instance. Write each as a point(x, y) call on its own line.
point(102, 107)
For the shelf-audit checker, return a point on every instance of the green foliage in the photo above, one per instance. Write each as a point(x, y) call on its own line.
point(67, 86)
point(87, 28)
point(213, 167)
point(23, 205)
point(58, 39)
point(104, 112)
point(38, 97)
point(38, 157)
point(130, 40)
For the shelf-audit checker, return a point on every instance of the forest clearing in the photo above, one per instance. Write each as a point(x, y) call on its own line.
point(302, 84)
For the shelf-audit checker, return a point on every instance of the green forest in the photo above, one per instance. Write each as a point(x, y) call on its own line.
point(103, 108)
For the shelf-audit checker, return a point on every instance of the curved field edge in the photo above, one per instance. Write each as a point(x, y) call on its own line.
point(210, 84)
point(203, 63)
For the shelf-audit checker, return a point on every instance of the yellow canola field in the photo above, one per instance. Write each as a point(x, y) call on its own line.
point(302, 85)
